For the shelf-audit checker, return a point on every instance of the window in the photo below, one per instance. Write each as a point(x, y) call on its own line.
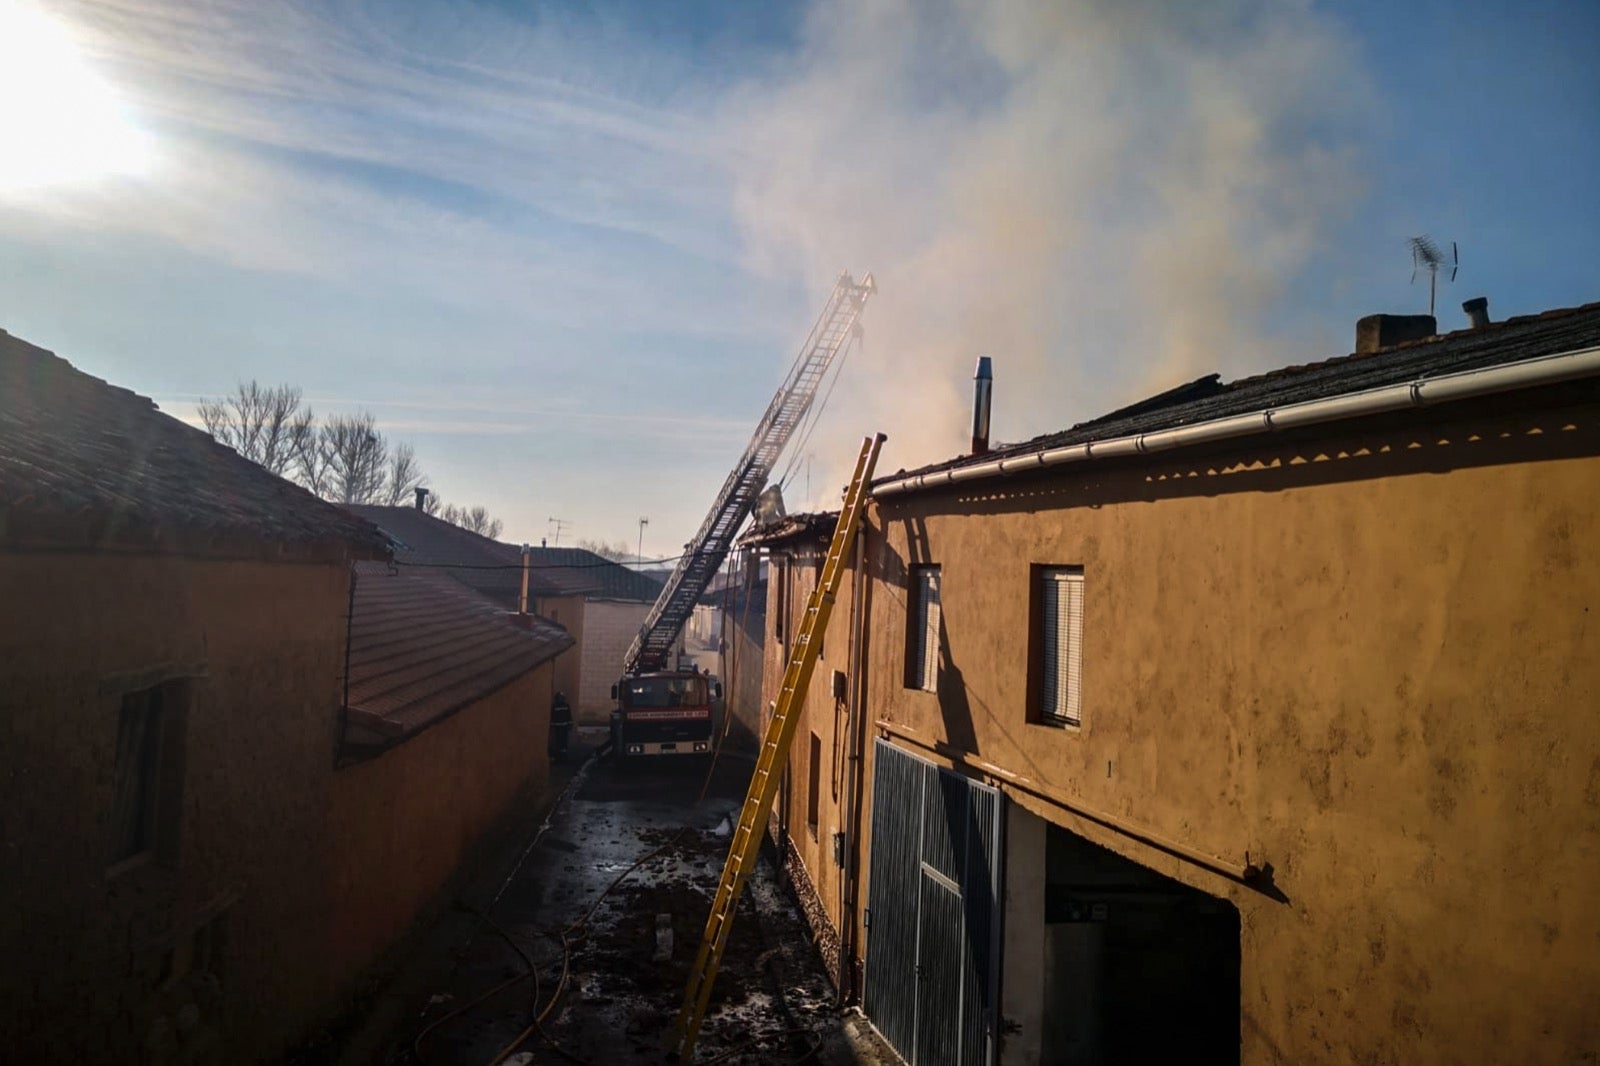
point(922, 632)
point(1059, 595)
point(814, 793)
point(148, 773)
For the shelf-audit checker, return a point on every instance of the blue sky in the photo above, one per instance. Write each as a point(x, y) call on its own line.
point(568, 250)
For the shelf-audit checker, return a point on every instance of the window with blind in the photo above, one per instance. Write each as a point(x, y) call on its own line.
point(922, 630)
point(1060, 680)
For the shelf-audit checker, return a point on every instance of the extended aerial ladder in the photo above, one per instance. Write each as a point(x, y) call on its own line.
point(704, 555)
point(745, 846)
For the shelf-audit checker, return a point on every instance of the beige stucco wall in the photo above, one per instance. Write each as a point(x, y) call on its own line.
point(568, 611)
point(400, 825)
point(1370, 662)
point(84, 951)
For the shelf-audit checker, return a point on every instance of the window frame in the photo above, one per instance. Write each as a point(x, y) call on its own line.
point(1056, 702)
point(924, 643)
point(155, 759)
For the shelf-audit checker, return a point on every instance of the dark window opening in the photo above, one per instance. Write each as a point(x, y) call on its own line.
point(814, 785)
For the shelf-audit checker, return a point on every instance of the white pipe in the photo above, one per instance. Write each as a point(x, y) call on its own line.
point(1546, 370)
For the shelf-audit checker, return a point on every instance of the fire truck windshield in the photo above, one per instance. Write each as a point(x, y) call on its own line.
point(666, 692)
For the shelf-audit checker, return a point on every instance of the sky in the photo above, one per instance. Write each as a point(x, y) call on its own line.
point(568, 250)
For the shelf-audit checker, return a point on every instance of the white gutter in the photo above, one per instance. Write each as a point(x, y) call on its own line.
point(1424, 392)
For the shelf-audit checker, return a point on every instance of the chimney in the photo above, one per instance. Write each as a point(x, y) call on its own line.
point(982, 389)
point(522, 600)
point(1384, 331)
point(1477, 310)
point(422, 494)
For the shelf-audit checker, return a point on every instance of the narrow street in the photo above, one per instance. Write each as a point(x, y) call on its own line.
point(568, 963)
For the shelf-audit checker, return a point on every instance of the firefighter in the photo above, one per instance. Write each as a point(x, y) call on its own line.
point(560, 725)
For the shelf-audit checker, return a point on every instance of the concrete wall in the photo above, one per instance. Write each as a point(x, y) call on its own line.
point(1365, 661)
point(609, 628)
point(741, 669)
point(400, 825)
point(95, 960)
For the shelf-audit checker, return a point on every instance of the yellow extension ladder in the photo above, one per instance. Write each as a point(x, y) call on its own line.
point(746, 843)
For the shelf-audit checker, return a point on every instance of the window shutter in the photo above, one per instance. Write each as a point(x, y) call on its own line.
point(1061, 680)
point(928, 640)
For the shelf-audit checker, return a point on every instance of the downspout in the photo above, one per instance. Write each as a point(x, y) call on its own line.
point(1424, 392)
point(855, 715)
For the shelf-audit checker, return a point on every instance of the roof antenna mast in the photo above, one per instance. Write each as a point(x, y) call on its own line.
point(1428, 256)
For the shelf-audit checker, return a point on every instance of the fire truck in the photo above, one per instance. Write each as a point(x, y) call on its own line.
point(666, 711)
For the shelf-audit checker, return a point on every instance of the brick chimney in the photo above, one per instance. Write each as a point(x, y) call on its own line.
point(422, 494)
point(1376, 332)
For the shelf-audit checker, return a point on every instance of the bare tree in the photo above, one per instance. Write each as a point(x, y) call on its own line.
point(402, 477)
point(269, 425)
point(345, 459)
point(474, 518)
point(357, 458)
point(617, 553)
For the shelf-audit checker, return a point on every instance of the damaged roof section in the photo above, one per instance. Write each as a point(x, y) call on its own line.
point(422, 647)
point(792, 530)
point(85, 463)
point(1208, 399)
point(489, 567)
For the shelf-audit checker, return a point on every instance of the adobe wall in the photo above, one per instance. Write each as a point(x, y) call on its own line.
point(85, 951)
point(1368, 662)
point(401, 824)
point(823, 717)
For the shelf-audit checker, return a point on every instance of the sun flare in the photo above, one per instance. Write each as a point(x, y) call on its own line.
point(60, 120)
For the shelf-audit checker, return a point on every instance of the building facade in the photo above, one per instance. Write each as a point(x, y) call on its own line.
point(222, 797)
point(1252, 723)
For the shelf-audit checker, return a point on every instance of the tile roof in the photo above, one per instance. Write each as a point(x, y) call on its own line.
point(1511, 341)
point(607, 580)
point(423, 647)
point(83, 462)
point(490, 567)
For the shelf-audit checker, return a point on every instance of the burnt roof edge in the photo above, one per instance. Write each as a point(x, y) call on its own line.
point(1421, 392)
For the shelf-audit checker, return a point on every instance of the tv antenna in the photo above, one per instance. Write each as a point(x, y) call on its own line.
point(1426, 255)
point(560, 524)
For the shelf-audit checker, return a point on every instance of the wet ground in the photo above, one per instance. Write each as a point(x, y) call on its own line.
point(567, 963)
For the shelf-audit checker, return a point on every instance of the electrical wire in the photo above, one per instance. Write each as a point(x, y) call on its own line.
point(535, 566)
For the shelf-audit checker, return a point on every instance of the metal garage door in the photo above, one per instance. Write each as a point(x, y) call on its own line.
point(933, 933)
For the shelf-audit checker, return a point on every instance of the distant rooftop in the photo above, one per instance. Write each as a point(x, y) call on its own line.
point(423, 647)
point(606, 580)
point(87, 464)
point(489, 567)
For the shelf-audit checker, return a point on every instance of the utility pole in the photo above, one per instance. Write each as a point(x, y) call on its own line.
point(560, 524)
point(643, 521)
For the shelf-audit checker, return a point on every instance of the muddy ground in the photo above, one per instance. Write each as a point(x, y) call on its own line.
point(621, 992)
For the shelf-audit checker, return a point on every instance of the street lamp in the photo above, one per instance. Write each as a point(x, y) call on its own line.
point(643, 521)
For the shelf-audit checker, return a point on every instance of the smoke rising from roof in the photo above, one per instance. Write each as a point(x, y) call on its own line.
point(1106, 196)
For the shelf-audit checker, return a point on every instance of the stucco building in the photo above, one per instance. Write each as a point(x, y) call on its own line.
point(1252, 723)
point(211, 784)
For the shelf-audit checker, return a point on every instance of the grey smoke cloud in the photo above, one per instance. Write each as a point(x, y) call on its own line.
point(1107, 197)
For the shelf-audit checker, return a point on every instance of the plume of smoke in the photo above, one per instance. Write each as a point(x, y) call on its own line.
point(1107, 196)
